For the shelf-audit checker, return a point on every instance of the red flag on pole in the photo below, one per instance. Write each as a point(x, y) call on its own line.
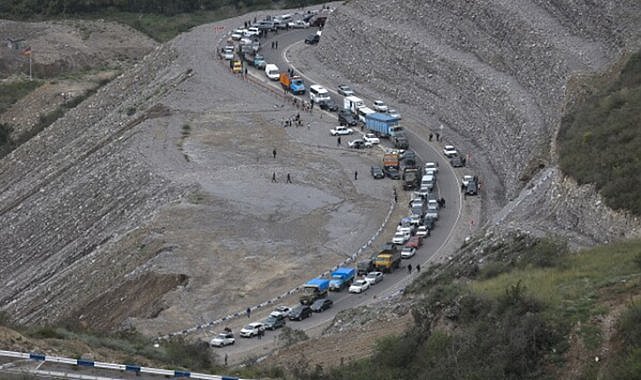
point(26, 51)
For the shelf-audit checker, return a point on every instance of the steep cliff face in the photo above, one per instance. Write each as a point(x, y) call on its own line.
point(494, 75)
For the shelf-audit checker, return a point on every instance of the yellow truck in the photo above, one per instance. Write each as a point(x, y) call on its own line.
point(388, 258)
point(237, 66)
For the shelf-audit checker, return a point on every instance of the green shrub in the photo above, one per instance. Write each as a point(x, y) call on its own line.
point(600, 142)
point(629, 325)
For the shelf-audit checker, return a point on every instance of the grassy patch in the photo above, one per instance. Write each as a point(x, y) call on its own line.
point(11, 92)
point(572, 290)
point(600, 139)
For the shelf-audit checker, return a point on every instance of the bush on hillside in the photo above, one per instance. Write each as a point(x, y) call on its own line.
point(600, 140)
point(502, 338)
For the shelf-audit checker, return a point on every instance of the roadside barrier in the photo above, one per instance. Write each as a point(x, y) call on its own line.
point(113, 366)
point(288, 293)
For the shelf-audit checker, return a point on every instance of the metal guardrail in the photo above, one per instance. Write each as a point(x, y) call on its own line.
point(113, 366)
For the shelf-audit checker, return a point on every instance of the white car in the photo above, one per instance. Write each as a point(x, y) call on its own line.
point(252, 31)
point(401, 238)
point(431, 166)
point(407, 252)
point(341, 131)
point(252, 329)
point(238, 34)
point(359, 144)
point(223, 339)
point(450, 151)
point(298, 24)
point(394, 113)
point(359, 286)
point(374, 277)
point(371, 138)
point(229, 53)
point(423, 231)
point(380, 106)
point(466, 179)
point(405, 229)
point(281, 312)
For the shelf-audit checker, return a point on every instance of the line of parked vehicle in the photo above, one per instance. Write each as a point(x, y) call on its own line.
point(399, 163)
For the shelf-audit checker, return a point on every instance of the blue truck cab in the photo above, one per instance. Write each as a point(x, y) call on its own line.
point(297, 86)
point(342, 278)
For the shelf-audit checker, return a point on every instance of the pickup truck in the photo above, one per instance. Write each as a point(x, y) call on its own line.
point(341, 131)
point(341, 278)
point(313, 290)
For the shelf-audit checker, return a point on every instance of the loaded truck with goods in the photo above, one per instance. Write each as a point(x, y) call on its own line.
point(313, 290)
point(411, 178)
point(391, 159)
point(383, 124)
point(388, 258)
point(341, 278)
point(353, 103)
point(292, 83)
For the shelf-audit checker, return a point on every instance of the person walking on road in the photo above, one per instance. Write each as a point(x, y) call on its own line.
point(289, 178)
point(338, 141)
point(274, 177)
point(409, 268)
point(249, 312)
point(274, 153)
point(418, 268)
point(225, 360)
point(276, 45)
point(355, 175)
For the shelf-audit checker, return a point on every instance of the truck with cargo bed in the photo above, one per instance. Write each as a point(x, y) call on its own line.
point(314, 289)
point(383, 124)
point(388, 258)
point(411, 178)
point(292, 83)
point(353, 103)
point(341, 278)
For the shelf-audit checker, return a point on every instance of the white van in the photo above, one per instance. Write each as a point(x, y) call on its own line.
point(272, 71)
point(318, 93)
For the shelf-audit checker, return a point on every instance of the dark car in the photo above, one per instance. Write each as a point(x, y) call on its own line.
point(300, 312)
point(457, 161)
point(329, 105)
point(392, 172)
point(273, 323)
point(312, 39)
point(321, 305)
point(400, 142)
point(377, 172)
point(346, 118)
point(428, 222)
point(472, 188)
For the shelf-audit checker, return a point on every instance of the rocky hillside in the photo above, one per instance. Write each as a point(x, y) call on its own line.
point(494, 75)
point(68, 45)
